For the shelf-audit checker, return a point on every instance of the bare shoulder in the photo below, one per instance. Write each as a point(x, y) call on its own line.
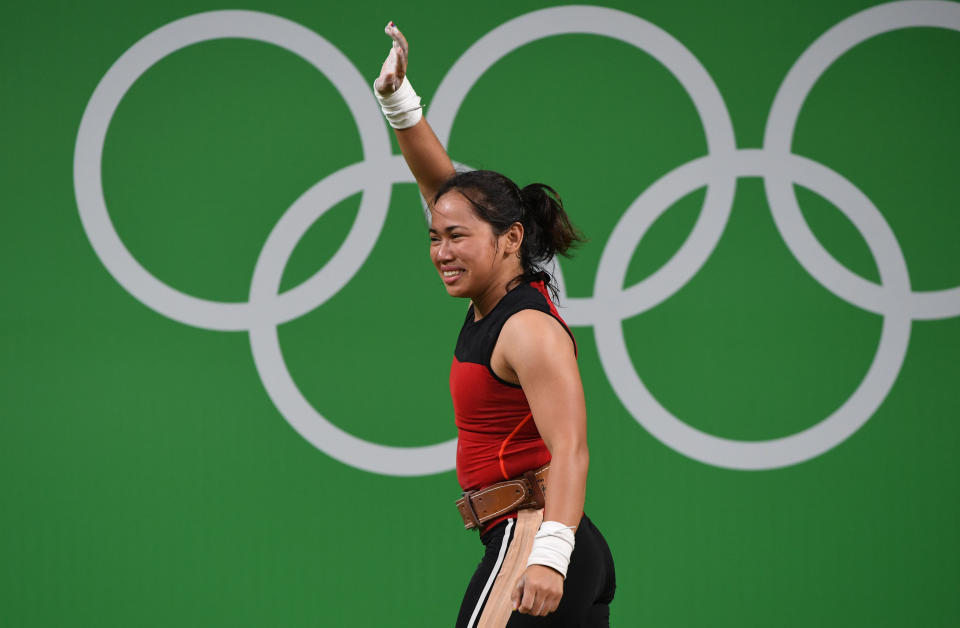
point(533, 331)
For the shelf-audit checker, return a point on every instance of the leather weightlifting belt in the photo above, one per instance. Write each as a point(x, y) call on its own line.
point(483, 505)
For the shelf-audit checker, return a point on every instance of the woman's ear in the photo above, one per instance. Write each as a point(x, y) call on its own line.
point(512, 238)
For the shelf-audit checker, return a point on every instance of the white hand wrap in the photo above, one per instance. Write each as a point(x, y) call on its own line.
point(552, 546)
point(402, 108)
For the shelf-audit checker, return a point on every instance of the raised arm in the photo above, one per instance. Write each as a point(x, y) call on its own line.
point(425, 155)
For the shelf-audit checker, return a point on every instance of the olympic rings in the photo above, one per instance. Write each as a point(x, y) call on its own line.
point(611, 304)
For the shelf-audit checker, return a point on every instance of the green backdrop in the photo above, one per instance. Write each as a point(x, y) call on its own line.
point(150, 472)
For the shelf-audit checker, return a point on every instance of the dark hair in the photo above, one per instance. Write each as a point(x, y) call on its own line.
point(500, 202)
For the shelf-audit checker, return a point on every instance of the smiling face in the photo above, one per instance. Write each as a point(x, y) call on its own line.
point(471, 260)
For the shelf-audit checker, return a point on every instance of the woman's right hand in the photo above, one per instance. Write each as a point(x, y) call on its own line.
point(395, 66)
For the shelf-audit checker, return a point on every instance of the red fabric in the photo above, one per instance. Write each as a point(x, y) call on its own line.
point(492, 444)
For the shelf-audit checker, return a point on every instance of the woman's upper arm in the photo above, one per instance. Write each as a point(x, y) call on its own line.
point(540, 352)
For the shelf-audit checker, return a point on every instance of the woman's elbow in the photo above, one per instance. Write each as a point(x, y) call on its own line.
point(574, 451)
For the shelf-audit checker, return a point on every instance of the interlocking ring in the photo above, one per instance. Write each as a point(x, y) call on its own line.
point(719, 170)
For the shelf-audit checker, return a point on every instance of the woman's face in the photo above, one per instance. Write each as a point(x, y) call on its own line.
point(463, 247)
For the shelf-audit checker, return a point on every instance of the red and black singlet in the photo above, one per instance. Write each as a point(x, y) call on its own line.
point(497, 437)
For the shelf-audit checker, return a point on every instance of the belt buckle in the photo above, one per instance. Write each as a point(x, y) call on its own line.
point(534, 489)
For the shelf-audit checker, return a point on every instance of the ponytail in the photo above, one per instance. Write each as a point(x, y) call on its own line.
point(547, 232)
point(546, 227)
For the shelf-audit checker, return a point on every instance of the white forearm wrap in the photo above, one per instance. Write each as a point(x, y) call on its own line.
point(402, 108)
point(552, 546)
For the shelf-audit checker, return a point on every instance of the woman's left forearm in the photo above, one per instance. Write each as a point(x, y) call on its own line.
point(567, 483)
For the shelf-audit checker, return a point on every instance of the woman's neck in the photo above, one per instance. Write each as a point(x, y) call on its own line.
point(484, 303)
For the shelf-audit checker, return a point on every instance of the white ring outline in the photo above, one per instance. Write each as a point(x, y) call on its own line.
point(773, 453)
point(88, 155)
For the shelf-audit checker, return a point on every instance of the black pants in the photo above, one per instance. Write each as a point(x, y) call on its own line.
point(587, 591)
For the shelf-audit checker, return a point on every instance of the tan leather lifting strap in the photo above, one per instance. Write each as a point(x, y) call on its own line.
point(499, 606)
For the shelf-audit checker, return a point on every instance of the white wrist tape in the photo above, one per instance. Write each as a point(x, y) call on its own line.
point(552, 546)
point(402, 108)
